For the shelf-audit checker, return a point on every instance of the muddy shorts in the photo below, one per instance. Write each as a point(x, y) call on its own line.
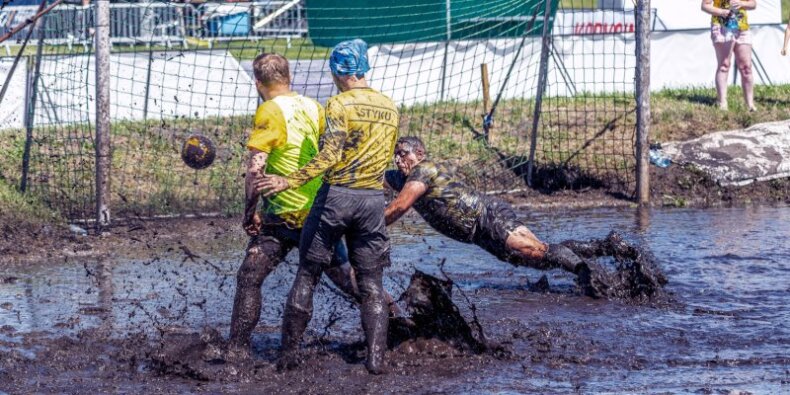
point(494, 226)
point(277, 240)
point(356, 213)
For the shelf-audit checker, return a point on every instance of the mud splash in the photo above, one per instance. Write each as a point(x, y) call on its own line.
point(637, 277)
point(435, 327)
point(434, 316)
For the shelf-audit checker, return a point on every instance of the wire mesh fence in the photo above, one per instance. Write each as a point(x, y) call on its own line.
point(464, 74)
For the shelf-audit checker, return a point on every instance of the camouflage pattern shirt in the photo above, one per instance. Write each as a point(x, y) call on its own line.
point(361, 130)
point(448, 205)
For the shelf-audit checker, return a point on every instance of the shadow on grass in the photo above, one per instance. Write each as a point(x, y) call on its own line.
point(552, 177)
point(691, 96)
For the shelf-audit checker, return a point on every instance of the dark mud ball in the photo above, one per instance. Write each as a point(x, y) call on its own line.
point(198, 152)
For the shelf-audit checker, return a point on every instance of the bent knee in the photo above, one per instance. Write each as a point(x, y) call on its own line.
point(724, 65)
point(256, 266)
point(522, 240)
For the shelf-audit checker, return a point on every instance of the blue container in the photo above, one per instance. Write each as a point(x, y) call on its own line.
point(229, 25)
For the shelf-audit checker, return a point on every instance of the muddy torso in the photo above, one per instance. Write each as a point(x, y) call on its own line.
point(449, 206)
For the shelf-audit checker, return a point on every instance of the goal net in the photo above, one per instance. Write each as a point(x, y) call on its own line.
point(465, 75)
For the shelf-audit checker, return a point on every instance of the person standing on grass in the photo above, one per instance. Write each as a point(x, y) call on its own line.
point(285, 135)
point(730, 34)
point(362, 126)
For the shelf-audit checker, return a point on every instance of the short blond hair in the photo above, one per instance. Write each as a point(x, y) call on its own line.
point(270, 68)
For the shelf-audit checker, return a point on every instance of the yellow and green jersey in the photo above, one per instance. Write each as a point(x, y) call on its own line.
point(740, 15)
point(362, 127)
point(288, 128)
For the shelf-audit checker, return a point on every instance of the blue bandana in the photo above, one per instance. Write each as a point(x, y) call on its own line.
point(350, 58)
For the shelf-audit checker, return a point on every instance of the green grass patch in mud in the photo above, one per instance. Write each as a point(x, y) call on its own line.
point(19, 210)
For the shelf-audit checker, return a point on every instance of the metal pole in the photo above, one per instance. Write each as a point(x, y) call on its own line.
point(486, 98)
point(28, 128)
point(642, 102)
point(102, 142)
point(148, 83)
point(542, 78)
point(449, 33)
point(30, 104)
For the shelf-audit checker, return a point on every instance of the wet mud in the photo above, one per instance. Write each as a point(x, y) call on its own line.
point(433, 315)
point(636, 278)
point(153, 316)
point(434, 327)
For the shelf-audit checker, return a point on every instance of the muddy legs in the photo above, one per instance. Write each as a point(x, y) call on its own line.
point(260, 260)
point(575, 257)
point(590, 277)
point(375, 319)
point(341, 276)
point(636, 274)
point(298, 311)
point(299, 308)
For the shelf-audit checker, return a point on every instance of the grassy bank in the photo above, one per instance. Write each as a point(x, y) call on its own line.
point(589, 133)
point(18, 210)
point(681, 114)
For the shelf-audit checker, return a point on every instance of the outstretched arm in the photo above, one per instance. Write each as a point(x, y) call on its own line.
point(330, 153)
point(412, 191)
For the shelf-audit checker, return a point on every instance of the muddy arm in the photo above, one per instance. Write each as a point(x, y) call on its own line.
point(255, 165)
point(412, 191)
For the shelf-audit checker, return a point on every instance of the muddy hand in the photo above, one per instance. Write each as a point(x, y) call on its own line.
point(271, 184)
point(252, 224)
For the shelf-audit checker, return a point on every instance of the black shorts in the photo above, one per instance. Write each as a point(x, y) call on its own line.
point(494, 226)
point(277, 240)
point(357, 214)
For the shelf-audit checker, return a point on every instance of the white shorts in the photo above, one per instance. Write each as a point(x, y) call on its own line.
point(719, 36)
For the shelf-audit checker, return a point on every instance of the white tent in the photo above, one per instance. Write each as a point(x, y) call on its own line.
point(686, 14)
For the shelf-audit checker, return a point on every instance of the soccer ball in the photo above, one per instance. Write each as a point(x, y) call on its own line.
point(198, 152)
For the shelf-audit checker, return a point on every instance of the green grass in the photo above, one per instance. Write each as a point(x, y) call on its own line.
point(785, 10)
point(591, 132)
point(687, 113)
point(21, 211)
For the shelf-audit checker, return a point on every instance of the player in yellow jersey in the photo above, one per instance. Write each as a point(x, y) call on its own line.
point(284, 137)
point(362, 126)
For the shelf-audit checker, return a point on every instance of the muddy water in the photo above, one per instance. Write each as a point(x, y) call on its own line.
point(727, 329)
